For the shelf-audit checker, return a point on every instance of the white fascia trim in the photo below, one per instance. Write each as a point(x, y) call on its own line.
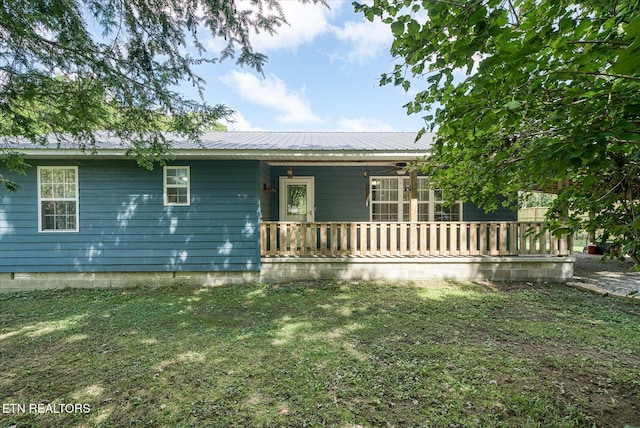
point(264, 155)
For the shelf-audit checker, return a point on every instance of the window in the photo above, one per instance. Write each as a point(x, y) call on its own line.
point(390, 201)
point(442, 212)
point(385, 199)
point(177, 185)
point(58, 198)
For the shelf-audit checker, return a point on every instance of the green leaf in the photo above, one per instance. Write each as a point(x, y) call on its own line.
point(513, 105)
point(633, 27)
point(628, 61)
point(397, 28)
point(10, 185)
point(15, 162)
point(413, 27)
point(477, 16)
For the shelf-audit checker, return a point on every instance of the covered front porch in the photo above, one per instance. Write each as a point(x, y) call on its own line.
point(507, 251)
point(355, 210)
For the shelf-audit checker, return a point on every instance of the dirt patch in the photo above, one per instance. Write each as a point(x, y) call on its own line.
point(577, 377)
point(609, 403)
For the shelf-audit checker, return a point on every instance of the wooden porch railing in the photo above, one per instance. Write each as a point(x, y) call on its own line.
point(409, 239)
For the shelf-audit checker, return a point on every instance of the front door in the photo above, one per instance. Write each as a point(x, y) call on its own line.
point(296, 199)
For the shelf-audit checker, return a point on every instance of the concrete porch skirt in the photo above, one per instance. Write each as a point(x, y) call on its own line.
point(285, 269)
point(516, 268)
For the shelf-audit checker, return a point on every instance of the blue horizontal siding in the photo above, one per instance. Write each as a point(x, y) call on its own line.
point(340, 194)
point(472, 212)
point(124, 225)
point(208, 233)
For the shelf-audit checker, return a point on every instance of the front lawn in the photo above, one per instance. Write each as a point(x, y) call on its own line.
point(320, 354)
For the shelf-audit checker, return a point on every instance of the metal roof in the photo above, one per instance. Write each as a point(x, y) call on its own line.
point(305, 141)
point(315, 146)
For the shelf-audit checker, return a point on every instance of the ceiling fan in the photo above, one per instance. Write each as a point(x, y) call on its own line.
point(398, 168)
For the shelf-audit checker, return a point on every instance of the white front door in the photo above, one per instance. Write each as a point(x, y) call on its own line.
point(296, 199)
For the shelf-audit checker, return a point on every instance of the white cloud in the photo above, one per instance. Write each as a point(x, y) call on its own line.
point(215, 45)
point(365, 40)
point(359, 41)
point(238, 122)
point(273, 93)
point(305, 22)
point(363, 124)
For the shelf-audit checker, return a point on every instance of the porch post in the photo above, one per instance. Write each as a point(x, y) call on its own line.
point(413, 212)
point(563, 248)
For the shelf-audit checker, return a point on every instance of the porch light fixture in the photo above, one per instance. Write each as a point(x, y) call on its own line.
point(290, 172)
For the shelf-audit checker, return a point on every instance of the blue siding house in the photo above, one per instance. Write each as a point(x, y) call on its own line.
point(113, 217)
point(216, 212)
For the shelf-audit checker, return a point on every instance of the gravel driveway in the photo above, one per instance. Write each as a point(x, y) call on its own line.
point(609, 277)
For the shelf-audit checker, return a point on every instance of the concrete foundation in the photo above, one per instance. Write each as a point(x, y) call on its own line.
point(520, 268)
point(43, 281)
point(284, 269)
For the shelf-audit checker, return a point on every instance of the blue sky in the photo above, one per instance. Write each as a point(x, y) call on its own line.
point(322, 75)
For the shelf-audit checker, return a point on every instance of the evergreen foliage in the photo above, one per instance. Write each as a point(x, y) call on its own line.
point(71, 67)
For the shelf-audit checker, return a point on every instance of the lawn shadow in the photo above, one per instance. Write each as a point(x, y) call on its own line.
point(323, 352)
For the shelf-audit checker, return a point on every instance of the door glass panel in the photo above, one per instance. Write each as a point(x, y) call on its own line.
point(390, 197)
point(384, 189)
point(423, 190)
point(447, 212)
point(423, 212)
point(384, 212)
point(406, 189)
point(297, 202)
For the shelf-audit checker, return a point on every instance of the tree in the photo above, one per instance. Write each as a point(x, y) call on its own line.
point(59, 80)
point(528, 94)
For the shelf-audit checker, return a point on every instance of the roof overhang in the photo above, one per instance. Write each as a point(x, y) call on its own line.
point(271, 156)
point(272, 147)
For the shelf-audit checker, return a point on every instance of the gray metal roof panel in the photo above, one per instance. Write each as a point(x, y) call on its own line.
point(269, 141)
point(304, 141)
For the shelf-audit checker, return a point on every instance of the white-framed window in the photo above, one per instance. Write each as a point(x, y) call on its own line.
point(58, 199)
point(177, 185)
point(390, 201)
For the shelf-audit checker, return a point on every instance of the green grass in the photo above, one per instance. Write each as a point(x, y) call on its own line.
point(322, 354)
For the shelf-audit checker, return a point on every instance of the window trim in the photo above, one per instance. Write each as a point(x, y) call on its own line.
point(41, 199)
point(400, 202)
point(166, 186)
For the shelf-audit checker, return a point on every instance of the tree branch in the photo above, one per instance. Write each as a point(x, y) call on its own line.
point(594, 73)
point(515, 15)
point(598, 42)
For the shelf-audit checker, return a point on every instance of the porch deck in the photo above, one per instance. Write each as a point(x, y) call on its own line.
point(507, 251)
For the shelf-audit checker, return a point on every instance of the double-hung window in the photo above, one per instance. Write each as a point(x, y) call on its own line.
point(177, 185)
point(58, 198)
point(390, 197)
